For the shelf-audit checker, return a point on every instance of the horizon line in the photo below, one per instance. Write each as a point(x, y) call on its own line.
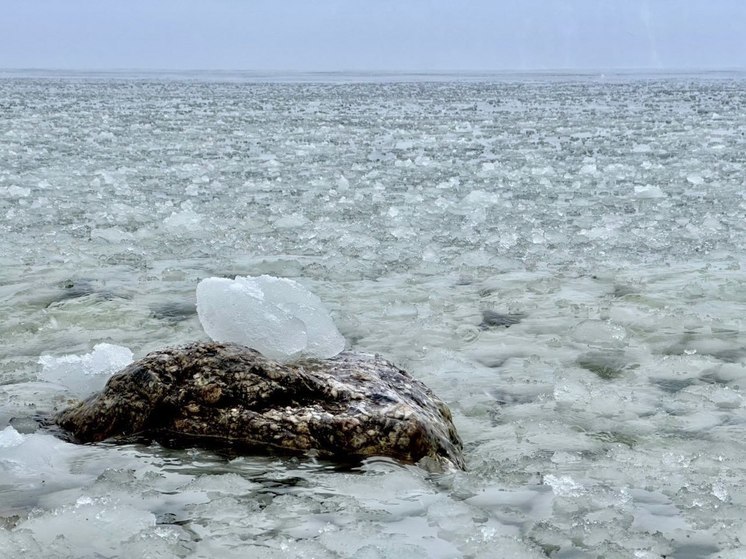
point(423, 71)
point(341, 77)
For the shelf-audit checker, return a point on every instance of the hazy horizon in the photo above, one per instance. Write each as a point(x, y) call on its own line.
point(346, 36)
point(379, 71)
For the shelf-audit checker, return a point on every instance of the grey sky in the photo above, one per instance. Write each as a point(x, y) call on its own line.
point(403, 35)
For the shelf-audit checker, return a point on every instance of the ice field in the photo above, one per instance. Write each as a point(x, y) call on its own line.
point(560, 258)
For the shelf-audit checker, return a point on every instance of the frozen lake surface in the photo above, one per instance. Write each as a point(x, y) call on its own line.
point(561, 259)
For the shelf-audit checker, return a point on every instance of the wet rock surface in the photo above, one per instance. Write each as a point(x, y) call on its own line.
point(349, 407)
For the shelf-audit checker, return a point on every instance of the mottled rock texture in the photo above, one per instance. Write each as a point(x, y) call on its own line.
point(349, 407)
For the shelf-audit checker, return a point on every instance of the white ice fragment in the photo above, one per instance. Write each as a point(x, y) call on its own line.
point(235, 311)
point(182, 220)
point(185, 220)
point(538, 236)
point(601, 333)
point(111, 234)
point(84, 374)
point(291, 221)
point(430, 255)
point(564, 457)
point(14, 191)
point(342, 183)
point(36, 461)
point(711, 223)
point(534, 501)
point(653, 511)
point(78, 527)
point(452, 183)
point(9, 437)
point(324, 340)
point(649, 191)
point(479, 199)
point(278, 317)
point(720, 490)
point(564, 486)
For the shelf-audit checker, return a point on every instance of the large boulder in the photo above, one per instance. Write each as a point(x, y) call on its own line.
point(349, 407)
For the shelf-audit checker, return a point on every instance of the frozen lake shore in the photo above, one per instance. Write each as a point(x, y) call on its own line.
point(607, 217)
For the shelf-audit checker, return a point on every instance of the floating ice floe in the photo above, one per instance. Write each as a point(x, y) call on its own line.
point(14, 191)
point(278, 317)
point(9, 437)
point(88, 373)
point(34, 462)
point(649, 191)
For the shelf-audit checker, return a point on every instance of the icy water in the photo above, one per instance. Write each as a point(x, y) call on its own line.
point(560, 258)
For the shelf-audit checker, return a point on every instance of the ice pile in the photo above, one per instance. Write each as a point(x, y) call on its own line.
point(88, 373)
point(276, 316)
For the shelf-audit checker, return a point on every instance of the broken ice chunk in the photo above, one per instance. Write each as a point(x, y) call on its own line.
point(323, 338)
point(84, 374)
point(10, 437)
point(278, 317)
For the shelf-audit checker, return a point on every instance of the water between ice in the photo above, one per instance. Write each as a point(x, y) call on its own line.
point(560, 260)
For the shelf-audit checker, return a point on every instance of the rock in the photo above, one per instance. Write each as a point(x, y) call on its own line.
point(346, 408)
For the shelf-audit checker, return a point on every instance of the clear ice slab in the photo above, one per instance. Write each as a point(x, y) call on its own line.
point(276, 316)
